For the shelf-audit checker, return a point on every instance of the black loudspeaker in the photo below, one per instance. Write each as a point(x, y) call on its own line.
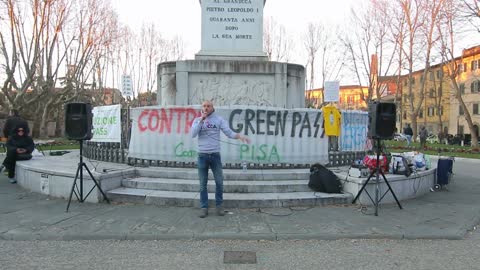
point(78, 121)
point(381, 120)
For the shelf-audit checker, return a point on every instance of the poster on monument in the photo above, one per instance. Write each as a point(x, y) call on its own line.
point(277, 135)
point(332, 91)
point(232, 27)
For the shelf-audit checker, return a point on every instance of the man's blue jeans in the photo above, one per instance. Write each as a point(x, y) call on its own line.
point(409, 139)
point(214, 162)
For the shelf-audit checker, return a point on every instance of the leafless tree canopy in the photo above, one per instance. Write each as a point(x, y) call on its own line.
point(58, 51)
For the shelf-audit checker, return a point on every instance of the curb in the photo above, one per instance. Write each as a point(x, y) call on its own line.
point(27, 236)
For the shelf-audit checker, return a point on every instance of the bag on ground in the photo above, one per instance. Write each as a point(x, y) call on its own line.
point(399, 165)
point(323, 180)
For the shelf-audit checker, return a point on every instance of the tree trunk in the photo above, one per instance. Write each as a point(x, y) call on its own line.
point(468, 118)
point(43, 120)
point(414, 126)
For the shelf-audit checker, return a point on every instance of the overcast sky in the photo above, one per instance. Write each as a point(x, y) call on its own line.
point(183, 17)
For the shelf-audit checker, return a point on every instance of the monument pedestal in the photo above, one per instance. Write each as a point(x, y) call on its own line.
point(231, 82)
point(231, 68)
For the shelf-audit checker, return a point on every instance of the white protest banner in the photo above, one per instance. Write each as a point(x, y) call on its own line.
point(332, 91)
point(278, 135)
point(353, 136)
point(107, 124)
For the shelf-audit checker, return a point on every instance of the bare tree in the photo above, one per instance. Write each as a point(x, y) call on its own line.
point(21, 46)
point(277, 43)
point(448, 29)
point(421, 17)
point(397, 27)
point(371, 47)
point(312, 42)
point(471, 13)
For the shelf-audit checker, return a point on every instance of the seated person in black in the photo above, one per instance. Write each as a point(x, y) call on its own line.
point(19, 147)
point(14, 119)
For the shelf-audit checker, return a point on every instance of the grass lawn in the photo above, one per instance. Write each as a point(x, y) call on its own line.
point(435, 149)
point(59, 144)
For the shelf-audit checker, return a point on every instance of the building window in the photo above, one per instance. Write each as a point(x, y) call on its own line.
point(439, 74)
point(440, 92)
point(475, 108)
point(431, 93)
point(440, 111)
point(421, 78)
point(460, 68)
point(475, 86)
point(431, 76)
point(465, 66)
point(474, 64)
point(404, 115)
point(413, 81)
point(420, 115)
point(431, 111)
point(462, 88)
point(460, 130)
point(460, 110)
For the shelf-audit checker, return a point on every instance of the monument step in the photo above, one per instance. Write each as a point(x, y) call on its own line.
point(228, 174)
point(230, 200)
point(167, 184)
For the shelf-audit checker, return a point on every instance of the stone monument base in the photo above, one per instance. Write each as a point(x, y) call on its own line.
point(231, 82)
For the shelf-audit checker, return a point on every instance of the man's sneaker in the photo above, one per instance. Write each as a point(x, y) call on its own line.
point(220, 211)
point(203, 212)
point(12, 180)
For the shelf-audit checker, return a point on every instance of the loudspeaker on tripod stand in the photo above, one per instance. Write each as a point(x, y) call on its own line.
point(78, 121)
point(78, 126)
point(382, 118)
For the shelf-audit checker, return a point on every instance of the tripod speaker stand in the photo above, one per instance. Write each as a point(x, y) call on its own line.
point(377, 172)
point(78, 189)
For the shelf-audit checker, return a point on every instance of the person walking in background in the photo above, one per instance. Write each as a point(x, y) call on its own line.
point(207, 128)
point(423, 137)
point(19, 147)
point(408, 133)
point(14, 119)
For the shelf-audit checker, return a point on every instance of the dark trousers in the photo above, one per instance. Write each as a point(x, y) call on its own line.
point(11, 160)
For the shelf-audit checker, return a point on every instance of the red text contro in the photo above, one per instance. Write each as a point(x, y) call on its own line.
point(162, 120)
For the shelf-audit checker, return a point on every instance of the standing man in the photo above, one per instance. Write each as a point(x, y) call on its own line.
point(408, 133)
point(423, 137)
point(207, 128)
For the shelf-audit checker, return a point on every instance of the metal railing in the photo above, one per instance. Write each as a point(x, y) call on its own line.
point(117, 153)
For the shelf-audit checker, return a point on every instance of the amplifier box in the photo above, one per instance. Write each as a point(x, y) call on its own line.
point(358, 172)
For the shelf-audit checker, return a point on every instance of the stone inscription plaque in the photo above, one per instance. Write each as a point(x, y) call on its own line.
point(232, 27)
